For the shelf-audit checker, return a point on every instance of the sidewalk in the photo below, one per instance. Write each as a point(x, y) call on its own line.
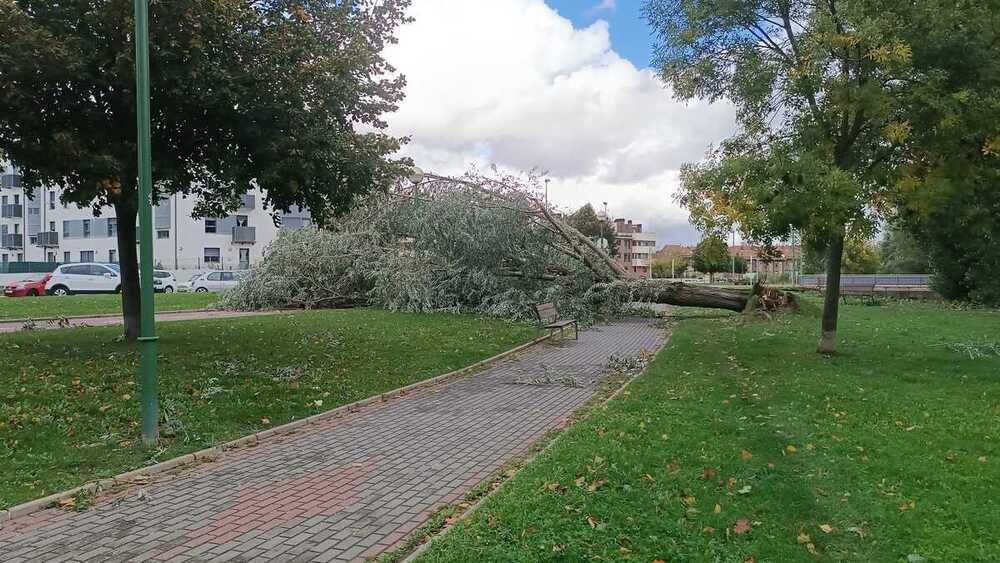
point(344, 489)
point(115, 320)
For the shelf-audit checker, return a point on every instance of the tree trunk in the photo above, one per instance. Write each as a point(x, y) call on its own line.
point(684, 295)
point(670, 293)
point(828, 338)
point(128, 258)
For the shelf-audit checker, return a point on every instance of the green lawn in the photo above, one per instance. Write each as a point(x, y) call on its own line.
point(741, 444)
point(80, 305)
point(69, 402)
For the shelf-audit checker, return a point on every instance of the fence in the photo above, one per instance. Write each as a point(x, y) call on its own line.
point(849, 280)
point(27, 267)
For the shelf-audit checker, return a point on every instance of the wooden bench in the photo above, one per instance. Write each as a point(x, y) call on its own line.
point(548, 318)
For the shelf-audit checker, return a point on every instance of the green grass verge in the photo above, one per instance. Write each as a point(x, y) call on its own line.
point(104, 304)
point(69, 399)
point(741, 444)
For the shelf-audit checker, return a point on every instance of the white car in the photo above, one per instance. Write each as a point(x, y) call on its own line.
point(216, 281)
point(86, 277)
point(164, 281)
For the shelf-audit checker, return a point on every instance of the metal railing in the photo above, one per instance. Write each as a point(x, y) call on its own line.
point(855, 280)
point(12, 241)
point(47, 239)
point(243, 235)
point(12, 210)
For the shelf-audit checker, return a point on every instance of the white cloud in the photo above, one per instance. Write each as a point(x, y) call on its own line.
point(513, 83)
point(603, 6)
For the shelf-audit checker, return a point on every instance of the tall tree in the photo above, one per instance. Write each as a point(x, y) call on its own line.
point(817, 88)
point(948, 195)
point(711, 256)
point(901, 253)
point(587, 222)
point(287, 95)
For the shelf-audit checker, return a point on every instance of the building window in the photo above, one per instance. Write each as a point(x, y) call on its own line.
point(213, 256)
point(4, 258)
point(17, 199)
point(86, 255)
point(20, 257)
point(65, 229)
point(112, 227)
point(52, 202)
point(66, 258)
point(17, 228)
point(242, 221)
point(210, 225)
point(86, 228)
point(52, 226)
point(113, 256)
point(52, 256)
point(162, 234)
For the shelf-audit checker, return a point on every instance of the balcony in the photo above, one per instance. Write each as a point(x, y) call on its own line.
point(12, 241)
point(47, 239)
point(244, 235)
point(248, 201)
point(12, 210)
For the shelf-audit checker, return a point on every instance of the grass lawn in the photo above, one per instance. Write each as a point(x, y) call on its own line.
point(741, 444)
point(80, 305)
point(69, 400)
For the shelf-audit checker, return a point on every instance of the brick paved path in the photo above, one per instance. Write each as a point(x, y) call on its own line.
point(346, 488)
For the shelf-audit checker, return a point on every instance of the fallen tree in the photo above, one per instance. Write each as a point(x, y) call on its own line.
point(480, 243)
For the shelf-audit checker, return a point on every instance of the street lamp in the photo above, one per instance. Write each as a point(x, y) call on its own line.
point(147, 329)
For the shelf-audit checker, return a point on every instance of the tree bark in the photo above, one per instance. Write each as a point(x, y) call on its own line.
point(831, 303)
point(128, 258)
point(684, 295)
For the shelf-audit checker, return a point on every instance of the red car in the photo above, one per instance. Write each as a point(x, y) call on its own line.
point(27, 288)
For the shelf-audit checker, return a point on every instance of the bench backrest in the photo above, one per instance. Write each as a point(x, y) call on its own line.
point(546, 313)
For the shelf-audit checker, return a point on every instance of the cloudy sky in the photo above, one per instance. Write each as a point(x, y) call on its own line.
point(561, 85)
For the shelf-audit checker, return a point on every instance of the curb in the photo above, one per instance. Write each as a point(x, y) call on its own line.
point(217, 452)
point(603, 404)
point(100, 316)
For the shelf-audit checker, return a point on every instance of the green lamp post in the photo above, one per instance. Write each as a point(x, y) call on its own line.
point(147, 338)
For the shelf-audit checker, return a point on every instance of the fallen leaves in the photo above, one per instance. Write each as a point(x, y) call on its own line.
point(265, 420)
point(745, 455)
point(791, 449)
point(741, 527)
point(708, 474)
point(593, 522)
point(596, 485)
point(908, 505)
point(717, 509)
point(827, 529)
point(745, 490)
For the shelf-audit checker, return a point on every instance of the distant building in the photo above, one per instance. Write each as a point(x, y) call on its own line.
point(43, 229)
point(635, 247)
point(783, 259)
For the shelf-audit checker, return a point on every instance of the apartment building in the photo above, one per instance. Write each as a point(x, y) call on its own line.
point(43, 229)
point(635, 247)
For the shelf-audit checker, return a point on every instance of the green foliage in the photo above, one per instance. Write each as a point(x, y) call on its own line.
point(902, 253)
point(587, 222)
point(711, 256)
point(889, 441)
point(69, 399)
point(860, 257)
point(669, 267)
point(284, 95)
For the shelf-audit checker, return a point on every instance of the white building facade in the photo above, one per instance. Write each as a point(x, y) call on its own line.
point(43, 229)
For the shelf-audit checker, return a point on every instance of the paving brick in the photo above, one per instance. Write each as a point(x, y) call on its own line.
point(341, 487)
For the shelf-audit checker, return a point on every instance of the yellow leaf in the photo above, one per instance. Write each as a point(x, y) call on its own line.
point(804, 538)
point(592, 521)
point(791, 449)
point(718, 509)
point(826, 528)
point(745, 455)
point(596, 485)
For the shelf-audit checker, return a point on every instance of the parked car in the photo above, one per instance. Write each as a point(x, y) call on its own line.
point(87, 277)
point(164, 281)
point(27, 288)
point(188, 285)
point(216, 281)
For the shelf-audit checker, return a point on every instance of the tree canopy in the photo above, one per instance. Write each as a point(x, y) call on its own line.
point(711, 256)
point(823, 92)
point(587, 222)
point(281, 94)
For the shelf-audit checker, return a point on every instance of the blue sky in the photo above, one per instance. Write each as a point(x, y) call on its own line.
point(630, 36)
